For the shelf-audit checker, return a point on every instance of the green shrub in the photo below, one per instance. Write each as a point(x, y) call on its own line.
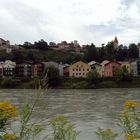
point(9, 83)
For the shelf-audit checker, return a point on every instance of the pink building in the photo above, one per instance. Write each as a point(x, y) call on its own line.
point(109, 67)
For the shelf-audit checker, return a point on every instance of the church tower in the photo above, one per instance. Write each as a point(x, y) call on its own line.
point(116, 43)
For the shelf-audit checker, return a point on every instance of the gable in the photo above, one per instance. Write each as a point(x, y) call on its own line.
point(113, 62)
point(80, 64)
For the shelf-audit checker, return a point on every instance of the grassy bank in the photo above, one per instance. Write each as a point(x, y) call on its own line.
point(71, 83)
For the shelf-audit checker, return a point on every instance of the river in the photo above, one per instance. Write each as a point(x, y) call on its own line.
point(87, 109)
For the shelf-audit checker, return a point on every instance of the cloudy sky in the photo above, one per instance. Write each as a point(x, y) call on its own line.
point(88, 21)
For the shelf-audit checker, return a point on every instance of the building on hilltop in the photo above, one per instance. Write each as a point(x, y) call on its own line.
point(64, 45)
point(116, 43)
point(3, 42)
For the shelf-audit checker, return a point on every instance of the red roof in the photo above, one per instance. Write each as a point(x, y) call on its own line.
point(113, 61)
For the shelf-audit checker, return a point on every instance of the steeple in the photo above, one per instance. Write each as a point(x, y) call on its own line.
point(116, 42)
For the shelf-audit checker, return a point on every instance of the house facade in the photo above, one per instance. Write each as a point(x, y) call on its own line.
point(126, 64)
point(96, 66)
point(79, 69)
point(135, 68)
point(66, 71)
point(3, 42)
point(38, 69)
point(24, 70)
point(110, 67)
point(9, 68)
point(1, 69)
point(64, 45)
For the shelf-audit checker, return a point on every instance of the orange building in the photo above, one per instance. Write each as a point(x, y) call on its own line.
point(66, 71)
point(110, 67)
point(38, 69)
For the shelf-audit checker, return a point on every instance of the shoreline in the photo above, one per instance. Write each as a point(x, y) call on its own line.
point(81, 83)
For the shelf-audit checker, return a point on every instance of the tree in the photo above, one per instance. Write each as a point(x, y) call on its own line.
point(110, 51)
point(93, 77)
point(91, 53)
point(30, 56)
point(42, 45)
point(133, 51)
point(28, 45)
point(17, 56)
point(53, 76)
point(122, 74)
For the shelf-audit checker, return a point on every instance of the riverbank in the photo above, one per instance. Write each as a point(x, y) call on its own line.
point(100, 83)
point(71, 83)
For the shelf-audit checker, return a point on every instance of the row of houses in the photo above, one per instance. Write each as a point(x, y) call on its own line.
point(27, 69)
point(78, 69)
point(105, 69)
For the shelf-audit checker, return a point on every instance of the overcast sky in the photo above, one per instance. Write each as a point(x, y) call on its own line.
point(88, 21)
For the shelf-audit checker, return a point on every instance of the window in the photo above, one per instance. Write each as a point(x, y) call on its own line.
point(76, 69)
point(83, 69)
point(79, 69)
point(81, 65)
point(87, 69)
point(79, 73)
point(73, 74)
point(73, 69)
point(83, 73)
point(76, 73)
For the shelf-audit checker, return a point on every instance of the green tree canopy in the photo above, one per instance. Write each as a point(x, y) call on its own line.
point(93, 77)
point(53, 76)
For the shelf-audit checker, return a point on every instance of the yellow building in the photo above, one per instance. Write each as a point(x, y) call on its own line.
point(126, 64)
point(79, 69)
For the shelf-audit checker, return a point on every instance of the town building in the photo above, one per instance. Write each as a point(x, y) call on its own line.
point(135, 67)
point(116, 43)
point(109, 67)
point(79, 69)
point(96, 66)
point(64, 45)
point(66, 70)
point(9, 68)
point(38, 69)
point(3, 42)
point(125, 64)
point(24, 69)
point(1, 69)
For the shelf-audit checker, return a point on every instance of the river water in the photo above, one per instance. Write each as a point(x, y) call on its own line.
point(87, 109)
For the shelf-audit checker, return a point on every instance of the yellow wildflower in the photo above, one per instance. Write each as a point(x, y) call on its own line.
point(9, 136)
point(8, 110)
point(130, 137)
point(124, 114)
point(130, 104)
